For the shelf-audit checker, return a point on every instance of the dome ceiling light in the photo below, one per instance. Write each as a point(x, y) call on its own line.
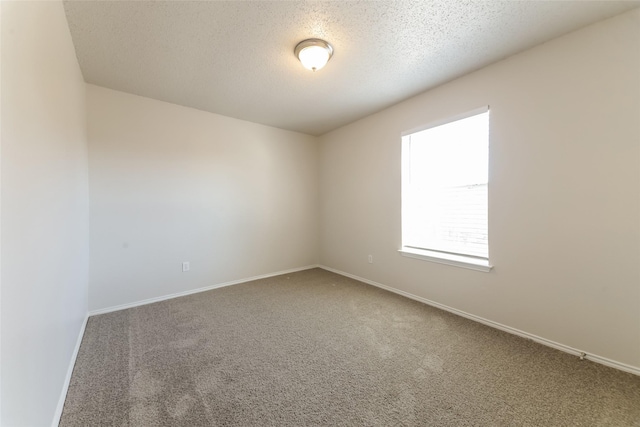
point(313, 53)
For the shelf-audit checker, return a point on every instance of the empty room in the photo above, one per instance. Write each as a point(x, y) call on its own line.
point(320, 213)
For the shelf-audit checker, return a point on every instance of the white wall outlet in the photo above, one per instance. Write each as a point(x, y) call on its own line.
point(370, 259)
point(185, 266)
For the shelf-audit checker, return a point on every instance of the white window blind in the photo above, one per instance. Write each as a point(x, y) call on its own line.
point(444, 187)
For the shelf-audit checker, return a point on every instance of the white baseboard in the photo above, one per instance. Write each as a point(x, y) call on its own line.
point(195, 291)
point(67, 379)
point(594, 358)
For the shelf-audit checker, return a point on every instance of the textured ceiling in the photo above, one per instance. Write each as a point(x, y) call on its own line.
point(236, 57)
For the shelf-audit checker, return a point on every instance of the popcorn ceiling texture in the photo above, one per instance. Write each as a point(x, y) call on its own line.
point(235, 58)
point(316, 348)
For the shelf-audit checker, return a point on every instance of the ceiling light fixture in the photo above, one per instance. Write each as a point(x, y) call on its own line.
point(313, 53)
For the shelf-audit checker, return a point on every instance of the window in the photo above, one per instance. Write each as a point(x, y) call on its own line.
point(445, 170)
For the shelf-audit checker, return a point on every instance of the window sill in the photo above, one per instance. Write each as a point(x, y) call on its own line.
point(449, 259)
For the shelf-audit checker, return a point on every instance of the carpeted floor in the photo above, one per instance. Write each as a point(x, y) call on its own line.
point(315, 348)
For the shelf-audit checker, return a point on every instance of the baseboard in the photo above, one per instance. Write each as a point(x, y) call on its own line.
point(195, 291)
point(67, 379)
point(594, 358)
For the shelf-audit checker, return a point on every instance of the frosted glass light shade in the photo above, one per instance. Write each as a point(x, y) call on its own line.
point(313, 53)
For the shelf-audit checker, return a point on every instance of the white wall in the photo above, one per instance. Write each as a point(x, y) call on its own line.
point(44, 209)
point(564, 200)
point(171, 184)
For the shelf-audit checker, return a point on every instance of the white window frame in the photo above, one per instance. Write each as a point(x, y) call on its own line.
point(457, 260)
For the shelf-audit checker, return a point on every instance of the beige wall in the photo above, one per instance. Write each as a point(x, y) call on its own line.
point(564, 198)
point(172, 184)
point(44, 209)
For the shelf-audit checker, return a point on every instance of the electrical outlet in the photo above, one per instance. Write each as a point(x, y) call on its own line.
point(370, 259)
point(185, 266)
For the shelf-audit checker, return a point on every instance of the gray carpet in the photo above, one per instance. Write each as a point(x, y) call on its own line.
point(315, 348)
